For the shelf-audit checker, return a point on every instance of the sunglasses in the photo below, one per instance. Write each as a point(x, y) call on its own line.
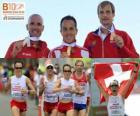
point(67, 71)
point(49, 67)
point(18, 67)
point(114, 85)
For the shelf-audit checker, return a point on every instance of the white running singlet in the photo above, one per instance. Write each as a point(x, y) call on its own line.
point(18, 83)
point(115, 106)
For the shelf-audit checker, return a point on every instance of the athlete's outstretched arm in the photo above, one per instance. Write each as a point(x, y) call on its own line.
point(105, 94)
point(126, 87)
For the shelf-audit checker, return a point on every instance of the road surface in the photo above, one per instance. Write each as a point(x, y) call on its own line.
point(5, 106)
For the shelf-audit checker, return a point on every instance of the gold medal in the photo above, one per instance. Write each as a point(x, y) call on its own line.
point(69, 48)
point(112, 36)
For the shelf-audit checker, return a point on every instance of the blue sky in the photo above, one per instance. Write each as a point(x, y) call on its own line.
point(85, 11)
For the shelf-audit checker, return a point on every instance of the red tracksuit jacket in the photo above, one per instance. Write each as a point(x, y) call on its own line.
point(30, 52)
point(77, 52)
point(104, 49)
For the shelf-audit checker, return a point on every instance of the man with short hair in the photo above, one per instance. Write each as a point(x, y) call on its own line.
point(107, 41)
point(69, 48)
point(31, 46)
point(47, 85)
point(80, 101)
point(19, 85)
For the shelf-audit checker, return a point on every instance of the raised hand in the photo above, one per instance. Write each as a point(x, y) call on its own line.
point(118, 40)
point(17, 48)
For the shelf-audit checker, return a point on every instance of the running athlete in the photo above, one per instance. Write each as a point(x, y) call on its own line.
point(66, 87)
point(80, 101)
point(19, 85)
point(115, 102)
point(47, 85)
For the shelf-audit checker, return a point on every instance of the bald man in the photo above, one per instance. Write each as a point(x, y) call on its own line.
point(31, 46)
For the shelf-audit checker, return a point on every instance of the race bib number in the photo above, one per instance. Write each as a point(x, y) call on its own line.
point(51, 98)
point(67, 95)
point(116, 112)
point(18, 96)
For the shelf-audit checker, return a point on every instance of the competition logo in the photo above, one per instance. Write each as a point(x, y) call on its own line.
point(13, 11)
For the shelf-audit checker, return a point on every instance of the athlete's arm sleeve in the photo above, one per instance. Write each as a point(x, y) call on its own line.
point(47, 50)
point(128, 50)
point(51, 54)
point(86, 43)
point(9, 51)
